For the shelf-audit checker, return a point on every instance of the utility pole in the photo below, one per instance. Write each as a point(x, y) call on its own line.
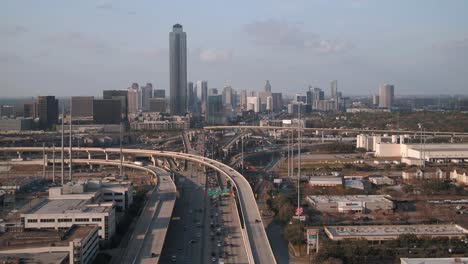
point(242, 152)
point(289, 169)
point(299, 163)
point(70, 144)
point(121, 156)
point(53, 163)
point(63, 147)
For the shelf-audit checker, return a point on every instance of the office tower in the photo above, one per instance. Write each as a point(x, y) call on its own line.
point(243, 99)
point(8, 111)
point(107, 111)
point(133, 97)
point(227, 95)
point(252, 93)
point(136, 87)
point(213, 91)
point(317, 96)
point(334, 89)
point(157, 105)
point(203, 90)
point(309, 96)
point(375, 100)
point(269, 104)
point(235, 98)
point(190, 96)
point(28, 110)
point(386, 96)
point(214, 114)
point(122, 96)
point(82, 106)
point(300, 98)
point(46, 109)
point(277, 101)
point(267, 86)
point(146, 95)
point(178, 70)
point(159, 93)
point(253, 103)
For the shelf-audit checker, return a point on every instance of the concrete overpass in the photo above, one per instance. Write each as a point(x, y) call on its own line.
point(348, 130)
point(253, 231)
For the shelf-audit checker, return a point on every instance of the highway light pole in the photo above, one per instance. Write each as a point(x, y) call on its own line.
point(70, 144)
point(299, 163)
point(53, 163)
point(121, 160)
point(63, 146)
point(242, 152)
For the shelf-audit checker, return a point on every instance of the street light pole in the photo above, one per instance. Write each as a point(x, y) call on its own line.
point(299, 163)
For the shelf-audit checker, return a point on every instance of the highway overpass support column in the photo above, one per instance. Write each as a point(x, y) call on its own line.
point(153, 160)
point(89, 155)
point(20, 155)
point(107, 155)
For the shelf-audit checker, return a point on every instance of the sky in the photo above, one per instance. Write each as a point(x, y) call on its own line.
point(56, 47)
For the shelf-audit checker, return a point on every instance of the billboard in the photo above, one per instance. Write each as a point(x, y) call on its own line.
point(350, 206)
point(312, 239)
point(277, 180)
point(287, 122)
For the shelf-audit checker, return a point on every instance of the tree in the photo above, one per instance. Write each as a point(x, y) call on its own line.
point(285, 213)
point(294, 233)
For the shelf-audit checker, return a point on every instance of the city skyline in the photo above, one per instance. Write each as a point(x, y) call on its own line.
point(243, 50)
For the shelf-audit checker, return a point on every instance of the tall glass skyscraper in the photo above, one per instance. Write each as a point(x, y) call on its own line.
point(178, 70)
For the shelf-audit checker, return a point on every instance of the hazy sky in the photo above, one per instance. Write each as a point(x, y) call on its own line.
point(83, 47)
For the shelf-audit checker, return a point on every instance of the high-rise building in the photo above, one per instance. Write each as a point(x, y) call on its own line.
point(203, 90)
point(227, 95)
point(133, 97)
point(178, 70)
point(212, 91)
point(28, 110)
point(300, 98)
point(253, 104)
point(190, 96)
point(146, 95)
point(386, 95)
point(157, 105)
point(267, 86)
point(122, 96)
point(277, 101)
point(334, 89)
point(214, 115)
point(375, 100)
point(8, 111)
point(46, 109)
point(269, 104)
point(243, 99)
point(317, 96)
point(107, 111)
point(82, 106)
point(159, 93)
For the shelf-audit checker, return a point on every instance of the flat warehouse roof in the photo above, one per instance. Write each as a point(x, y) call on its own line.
point(68, 206)
point(348, 198)
point(395, 230)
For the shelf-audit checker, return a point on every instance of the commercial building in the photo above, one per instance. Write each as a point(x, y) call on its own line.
point(269, 103)
point(243, 99)
point(277, 101)
point(227, 95)
point(457, 260)
point(46, 109)
point(159, 93)
point(107, 111)
point(178, 70)
point(146, 95)
point(121, 193)
point(391, 232)
point(214, 115)
point(78, 244)
point(16, 124)
point(381, 180)
point(326, 181)
point(253, 103)
point(203, 87)
point(64, 213)
point(158, 105)
point(28, 110)
point(267, 86)
point(386, 94)
point(7, 111)
point(82, 106)
point(133, 97)
point(350, 203)
point(122, 96)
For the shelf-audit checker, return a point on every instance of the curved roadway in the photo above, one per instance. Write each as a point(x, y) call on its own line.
point(255, 238)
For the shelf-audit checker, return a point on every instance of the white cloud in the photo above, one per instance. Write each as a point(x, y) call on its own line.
point(215, 55)
point(282, 33)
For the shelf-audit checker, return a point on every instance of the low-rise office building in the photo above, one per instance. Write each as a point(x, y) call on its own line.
point(326, 181)
point(391, 232)
point(16, 124)
point(62, 214)
point(77, 244)
point(350, 203)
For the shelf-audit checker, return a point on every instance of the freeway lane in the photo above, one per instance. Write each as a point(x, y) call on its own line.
point(255, 238)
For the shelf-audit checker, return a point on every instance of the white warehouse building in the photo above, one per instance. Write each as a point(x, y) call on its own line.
point(350, 203)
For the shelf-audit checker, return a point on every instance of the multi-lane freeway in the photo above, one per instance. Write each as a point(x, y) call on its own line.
point(253, 232)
